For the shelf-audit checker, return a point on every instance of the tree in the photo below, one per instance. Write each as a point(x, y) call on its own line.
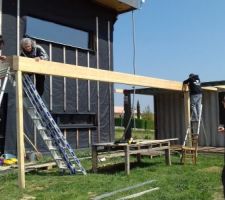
point(138, 110)
point(147, 114)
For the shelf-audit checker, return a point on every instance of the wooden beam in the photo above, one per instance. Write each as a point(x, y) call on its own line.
point(210, 88)
point(220, 87)
point(73, 71)
point(20, 136)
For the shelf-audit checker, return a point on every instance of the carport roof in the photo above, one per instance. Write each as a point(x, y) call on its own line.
point(120, 6)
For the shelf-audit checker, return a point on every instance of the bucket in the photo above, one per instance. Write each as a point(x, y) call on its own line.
point(31, 156)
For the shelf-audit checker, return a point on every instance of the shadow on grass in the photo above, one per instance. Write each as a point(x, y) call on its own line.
point(120, 167)
point(47, 173)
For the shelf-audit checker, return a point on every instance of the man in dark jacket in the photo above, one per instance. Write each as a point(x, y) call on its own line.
point(31, 50)
point(195, 90)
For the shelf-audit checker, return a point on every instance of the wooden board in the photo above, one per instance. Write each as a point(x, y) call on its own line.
point(73, 71)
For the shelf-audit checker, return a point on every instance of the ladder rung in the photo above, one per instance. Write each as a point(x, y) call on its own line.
point(70, 157)
point(51, 148)
point(60, 163)
point(47, 138)
point(189, 148)
point(63, 167)
point(36, 118)
point(41, 128)
point(58, 158)
point(3, 74)
point(30, 108)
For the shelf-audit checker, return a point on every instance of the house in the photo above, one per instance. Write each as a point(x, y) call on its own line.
point(118, 111)
point(74, 32)
point(88, 104)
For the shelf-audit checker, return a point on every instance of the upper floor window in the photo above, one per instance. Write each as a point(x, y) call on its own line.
point(59, 34)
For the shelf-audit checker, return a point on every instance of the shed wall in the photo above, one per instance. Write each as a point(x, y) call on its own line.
point(169, 109)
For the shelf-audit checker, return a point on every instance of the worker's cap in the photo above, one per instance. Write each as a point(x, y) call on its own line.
point(191, 75)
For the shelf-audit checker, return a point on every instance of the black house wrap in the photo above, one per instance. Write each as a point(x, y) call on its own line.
point(83, 109)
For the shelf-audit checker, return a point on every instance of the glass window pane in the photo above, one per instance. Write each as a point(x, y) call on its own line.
point(60, 34)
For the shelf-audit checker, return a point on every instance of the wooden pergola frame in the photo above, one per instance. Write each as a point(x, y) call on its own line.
point(22, 64)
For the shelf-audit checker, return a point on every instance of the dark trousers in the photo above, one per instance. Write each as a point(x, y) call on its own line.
point(223, 180)
point(40, 83)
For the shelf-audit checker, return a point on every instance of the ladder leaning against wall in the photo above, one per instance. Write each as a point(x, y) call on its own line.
point(58, 146)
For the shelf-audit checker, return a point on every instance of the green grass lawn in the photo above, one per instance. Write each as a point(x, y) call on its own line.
point(136, 134)
point(181, 182)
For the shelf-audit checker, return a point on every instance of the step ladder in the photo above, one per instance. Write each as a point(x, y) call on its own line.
point(60, 149)
point(189, 149)
point(4, 76)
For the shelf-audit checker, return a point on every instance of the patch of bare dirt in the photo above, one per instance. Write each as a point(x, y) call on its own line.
point(28, 197)
point(218, 195)
point(212, 169)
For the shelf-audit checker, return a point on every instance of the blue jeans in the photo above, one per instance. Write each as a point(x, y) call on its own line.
point(196, 101)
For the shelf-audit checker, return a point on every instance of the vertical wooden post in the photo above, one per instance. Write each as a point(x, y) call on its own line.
point(20, 133)
point(139, 154)
point(94, 158)
point(167, 154)
point(127, 159)
point(187, 114)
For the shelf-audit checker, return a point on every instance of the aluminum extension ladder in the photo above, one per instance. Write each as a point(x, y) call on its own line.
point(4, 76)
point(60, 149)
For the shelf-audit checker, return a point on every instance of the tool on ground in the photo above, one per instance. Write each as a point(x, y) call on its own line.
point(38, 154)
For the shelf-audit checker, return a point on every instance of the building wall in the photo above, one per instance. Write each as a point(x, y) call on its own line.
point(169, 109)
point(81, 96)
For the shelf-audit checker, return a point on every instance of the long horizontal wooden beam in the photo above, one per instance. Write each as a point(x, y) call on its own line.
point(81, 72)
point(220, 87)
point(73, 71)
point(210, 88)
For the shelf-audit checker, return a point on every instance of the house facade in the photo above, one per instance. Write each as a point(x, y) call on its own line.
point(74, 32)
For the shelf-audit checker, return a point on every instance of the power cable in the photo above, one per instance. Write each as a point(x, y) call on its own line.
point(134, 72)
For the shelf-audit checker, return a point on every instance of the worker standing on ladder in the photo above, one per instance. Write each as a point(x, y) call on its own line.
point(195, 91)
point(190, 145)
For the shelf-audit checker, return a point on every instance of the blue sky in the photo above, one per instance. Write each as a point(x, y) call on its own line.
point(173, 38)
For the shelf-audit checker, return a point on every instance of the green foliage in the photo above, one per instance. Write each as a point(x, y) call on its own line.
point(147, 114)
point(136, 134)
point(138, 110)
point(139, 123)
point(118, 121)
